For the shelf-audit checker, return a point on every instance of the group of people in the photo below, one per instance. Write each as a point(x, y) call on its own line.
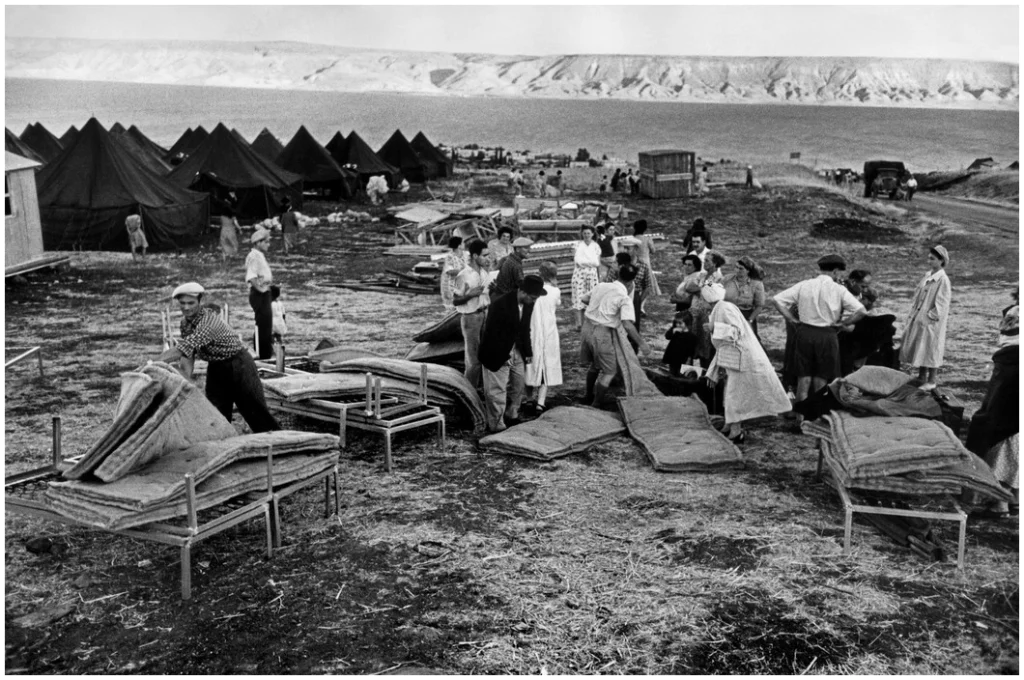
point(543, 185)
point(621, 181)
point(714, 331)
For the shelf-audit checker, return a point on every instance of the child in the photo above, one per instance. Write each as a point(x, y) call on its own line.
point(136, 237)
point(682, 344)
point(277, 309)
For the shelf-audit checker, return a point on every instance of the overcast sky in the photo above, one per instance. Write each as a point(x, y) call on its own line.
point(934, 31)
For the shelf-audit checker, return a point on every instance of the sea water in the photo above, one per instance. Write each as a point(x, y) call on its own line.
point(825, 136)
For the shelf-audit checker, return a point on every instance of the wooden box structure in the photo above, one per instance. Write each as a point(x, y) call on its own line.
point(667, 173)
point(23, 231)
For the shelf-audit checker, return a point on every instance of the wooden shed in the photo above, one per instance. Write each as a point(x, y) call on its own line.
point(23, 232)
point(667, 173)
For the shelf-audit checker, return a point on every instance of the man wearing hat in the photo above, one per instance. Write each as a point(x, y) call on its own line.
point(510, 276)
point(823, 306)
point(259, 278)
point(609, 308)
point(231, 377)
point(505, 349)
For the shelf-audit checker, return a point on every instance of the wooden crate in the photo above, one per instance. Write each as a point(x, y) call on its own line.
point(667, 173)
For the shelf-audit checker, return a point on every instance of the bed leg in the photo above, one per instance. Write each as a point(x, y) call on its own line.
point(186, 572)
point(387, 451)
point(273, 529)
point(962, 544)
point(847, 532)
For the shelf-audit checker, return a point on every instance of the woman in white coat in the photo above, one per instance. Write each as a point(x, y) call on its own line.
point(752, 389)
point(924, 337)
point(545, 369)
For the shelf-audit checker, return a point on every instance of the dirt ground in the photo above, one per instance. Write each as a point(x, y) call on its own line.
point(462, 561)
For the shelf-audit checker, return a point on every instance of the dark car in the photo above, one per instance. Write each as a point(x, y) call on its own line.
point(882, 178)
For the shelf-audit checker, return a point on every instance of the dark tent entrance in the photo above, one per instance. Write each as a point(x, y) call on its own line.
point(254, 202)
point(104, 228)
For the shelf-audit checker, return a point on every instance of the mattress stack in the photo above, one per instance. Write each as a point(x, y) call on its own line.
point(222, 470)
point(901, 455)
point(441, 343)
point(163, 429)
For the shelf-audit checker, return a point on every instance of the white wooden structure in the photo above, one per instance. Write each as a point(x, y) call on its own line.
point(23, 232)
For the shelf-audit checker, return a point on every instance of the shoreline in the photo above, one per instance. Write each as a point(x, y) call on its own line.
point(739, 101)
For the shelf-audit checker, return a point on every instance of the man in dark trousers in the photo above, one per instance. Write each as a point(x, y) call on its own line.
point(231, 376)
point(505, 350)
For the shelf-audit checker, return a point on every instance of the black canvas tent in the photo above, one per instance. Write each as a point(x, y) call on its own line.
point(267, 145)
point(117, 129)
point(306, 157)
point(87, 192)
point(186, 144)
point(19, 148)
point(356, 153)
point(445, 166)
point(145, 142)
point(145, 155)
point(223, 163)
point(42, 141)
point(68, 137)
point(398, 152)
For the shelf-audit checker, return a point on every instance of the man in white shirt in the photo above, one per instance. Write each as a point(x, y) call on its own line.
point(471, 298)
point(700, 247)
point(610, 307)
point(823, 306)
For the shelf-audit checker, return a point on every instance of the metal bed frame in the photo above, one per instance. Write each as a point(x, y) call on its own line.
point(851, 506)
point(24, 494)
point(380, 414)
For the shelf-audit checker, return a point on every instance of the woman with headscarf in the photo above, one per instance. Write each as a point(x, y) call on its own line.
point(644, 251)
point(752, 390)
point(745, 289)
point(454, 262)
point(700, 309)
point(924, 337)
point(586, 261)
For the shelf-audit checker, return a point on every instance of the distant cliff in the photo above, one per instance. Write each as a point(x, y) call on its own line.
point(288, 65)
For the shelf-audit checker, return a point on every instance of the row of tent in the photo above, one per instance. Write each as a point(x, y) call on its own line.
point(92, 179)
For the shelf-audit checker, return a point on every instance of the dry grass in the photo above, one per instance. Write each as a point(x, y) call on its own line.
point(467, 562)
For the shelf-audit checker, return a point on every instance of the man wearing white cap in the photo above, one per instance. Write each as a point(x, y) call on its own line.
point(259, 278)
point(231, 376)
point(510, 276)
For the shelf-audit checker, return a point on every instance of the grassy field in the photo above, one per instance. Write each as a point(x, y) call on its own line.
point(461, 561)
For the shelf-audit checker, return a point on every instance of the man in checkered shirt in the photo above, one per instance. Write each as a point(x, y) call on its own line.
point(231, 376)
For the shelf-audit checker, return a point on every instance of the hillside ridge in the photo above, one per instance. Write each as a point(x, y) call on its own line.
point(858, 81)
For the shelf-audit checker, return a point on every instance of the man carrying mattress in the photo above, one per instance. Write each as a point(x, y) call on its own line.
point(231, 377)
point(610, 309)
